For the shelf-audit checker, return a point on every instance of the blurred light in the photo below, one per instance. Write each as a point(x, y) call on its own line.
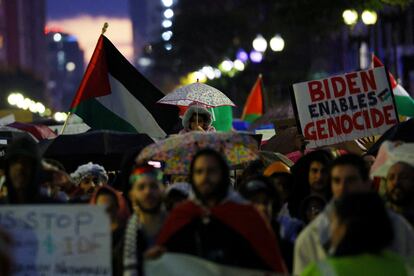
point(26, 104)
point(260, 43)
point(12, 99)
point(155, 164)
point(226, 66)
point(168, 47)
point(168, 13)
point(166, 23)
point(166, 35)
point(242, 55)
point(144, 61)
point(369, 17)
point(364, 55)
point(48, 112)
point(167, 3)
point(33, 107)
point(256, 57)
point(277, 43)
point(200, 76)
point(350, 17)
point(61, 57)
point(57, 37)
point(217, 73)
point(70, 66)
point(238, 65)
point(209, 72)
point(40, 108)
point(60, 116)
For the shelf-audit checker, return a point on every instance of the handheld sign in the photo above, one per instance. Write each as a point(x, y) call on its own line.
point(345, 107)
point(58, 240)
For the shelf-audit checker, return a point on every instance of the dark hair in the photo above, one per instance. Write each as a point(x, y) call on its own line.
point(224, 167)
point(352, 160)
point(268, 187)
point(300, 171)
point(368, 226)
point(305, 204)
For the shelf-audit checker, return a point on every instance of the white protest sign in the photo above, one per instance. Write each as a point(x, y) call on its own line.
point(58, 239)
point(345, 107)
point(174, 264)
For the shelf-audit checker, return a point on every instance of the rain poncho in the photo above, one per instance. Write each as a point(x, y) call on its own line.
point(194, 110)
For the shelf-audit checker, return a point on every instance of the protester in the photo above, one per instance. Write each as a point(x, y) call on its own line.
point(310, 177)
point(197, 118)
point(217, 224)
point(88, 177)
point(360, 232)
point(176, 193)
point(145, 191)
point(55, 182)
point(23, 169)
point(400, 190)
point(348, 175)
point(279, 174)
point(117, 210)
point(311, 207)
point(260, 191)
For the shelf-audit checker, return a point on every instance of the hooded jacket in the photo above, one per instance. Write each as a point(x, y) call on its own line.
point(201, 111)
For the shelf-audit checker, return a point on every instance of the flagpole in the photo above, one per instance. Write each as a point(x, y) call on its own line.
point(104, 28)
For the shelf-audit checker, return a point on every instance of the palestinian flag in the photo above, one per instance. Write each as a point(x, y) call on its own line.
point(114, 95)
point(403, 100)
point(253, 109)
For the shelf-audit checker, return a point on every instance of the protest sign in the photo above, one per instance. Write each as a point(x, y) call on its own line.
point(58, 240)
point(345, 107)
point(174, 264)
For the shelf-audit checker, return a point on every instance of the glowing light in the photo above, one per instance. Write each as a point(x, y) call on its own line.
point(350, 17)
point(277, 43)
point(217, 73)
point(60, 116)
point(369, 17)
point(57, 37)
point(256, 57)
point(226, 66)
point(166, 23)
point(209, 72)
point(242, 55)
point(144, 61)
point(260, 43)
point(70, 66)
point(168, 47)
point(167, 3)
point(166, 35)
point(168, 13)
point(238, 65)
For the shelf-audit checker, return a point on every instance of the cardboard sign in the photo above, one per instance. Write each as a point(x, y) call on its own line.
point(345, 107)
point(58, 239)
point(174, 264)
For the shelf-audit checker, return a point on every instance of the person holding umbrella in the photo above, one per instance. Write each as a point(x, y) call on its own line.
point(197, 118)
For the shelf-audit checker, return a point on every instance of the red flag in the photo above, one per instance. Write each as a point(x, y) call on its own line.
point(253, 108)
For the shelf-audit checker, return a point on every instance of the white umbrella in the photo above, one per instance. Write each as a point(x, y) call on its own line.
point(197, 93)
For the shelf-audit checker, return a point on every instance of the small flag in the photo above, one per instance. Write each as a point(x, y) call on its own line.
point(403, 100)
point(253, 109)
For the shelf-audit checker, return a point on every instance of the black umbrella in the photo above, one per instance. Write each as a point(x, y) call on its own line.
point(400, 132)
point(104, 147)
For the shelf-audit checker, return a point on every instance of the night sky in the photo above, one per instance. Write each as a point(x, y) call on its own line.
point(58, 9)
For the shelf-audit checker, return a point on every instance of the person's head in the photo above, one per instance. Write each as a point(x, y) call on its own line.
point(349, 174)
point(209, 175)
point(400, 184)
point(369, 160)
point(90, 176)
point(318, 170)
point(195, 117)
point(311, 207)
point(22, 167)
point(146, 189)
point(259, 190)
point(176, 193)
point(115, 204)
point(252, 169)
point(281, 177)
point(360, 224)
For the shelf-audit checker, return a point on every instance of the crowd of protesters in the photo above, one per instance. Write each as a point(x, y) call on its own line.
point(321, 216)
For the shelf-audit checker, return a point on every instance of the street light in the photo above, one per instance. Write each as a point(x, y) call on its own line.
point(166, 23)
point(369, 17)
point(238, 65)
point(350, 17)
point(168, 13)
point(260, 43)
point(167, 3)
point(277, 43)
point(166, 35)
point(256, 56)
point(226, 66)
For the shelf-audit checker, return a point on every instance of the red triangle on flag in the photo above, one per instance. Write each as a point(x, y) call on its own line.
point(377, 63)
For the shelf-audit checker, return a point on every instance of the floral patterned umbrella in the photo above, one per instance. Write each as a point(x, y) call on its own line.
point(177, 151)
point(197, 93)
